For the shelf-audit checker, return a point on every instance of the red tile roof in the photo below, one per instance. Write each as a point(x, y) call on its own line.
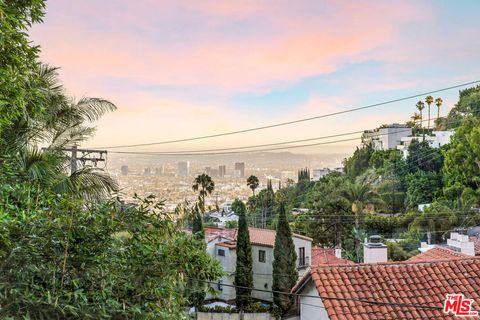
point(263, 237)
point(437, 253)
point(411, 283)
point(212, 233)
point(326, 256)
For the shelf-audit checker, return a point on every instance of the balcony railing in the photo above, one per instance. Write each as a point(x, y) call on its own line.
point(303, 262)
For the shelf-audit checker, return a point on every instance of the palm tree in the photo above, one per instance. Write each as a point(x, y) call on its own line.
point(205, 186)
point(429, 101)
point(420, 106)
point(253, 183)
point(64, 123)
point(438, 103)
point(415, 118)
point(359, 196)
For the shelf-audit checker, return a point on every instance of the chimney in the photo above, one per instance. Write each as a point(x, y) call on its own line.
point(374, 250)
point(461, 242)
point(338, 253)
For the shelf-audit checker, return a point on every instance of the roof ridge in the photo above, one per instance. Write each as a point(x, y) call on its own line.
point(445, 248)
point(395, 263)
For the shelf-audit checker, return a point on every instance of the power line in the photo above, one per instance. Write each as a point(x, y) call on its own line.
point(393, 304)
point(206, 152)
point(260, 145)
point(234, 152)
point(294, 121)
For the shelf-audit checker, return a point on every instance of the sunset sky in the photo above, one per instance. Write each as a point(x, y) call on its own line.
point(177, 69)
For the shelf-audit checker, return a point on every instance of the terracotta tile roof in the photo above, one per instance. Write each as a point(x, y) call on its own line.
point(437, 253)
point(263, 237)
point(212, 233)
point(412, 283)
point(326, 256)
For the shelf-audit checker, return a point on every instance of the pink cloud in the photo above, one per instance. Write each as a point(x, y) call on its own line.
point(298, 43)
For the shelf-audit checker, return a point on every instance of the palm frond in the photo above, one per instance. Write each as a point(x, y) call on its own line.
point(49, 77)
point(91, 109)
point(72, 136)
point(38, 166)
point(88, 183)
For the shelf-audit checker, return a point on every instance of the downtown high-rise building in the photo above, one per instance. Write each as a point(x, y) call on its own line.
point(183, 169)
point(147, 171)
point(240, 169)
point(222, 170)
point(160, 171)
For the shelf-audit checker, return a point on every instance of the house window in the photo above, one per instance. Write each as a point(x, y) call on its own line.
point(261, 255)
point(301, 256)
point(221, 252)
point(220, 285)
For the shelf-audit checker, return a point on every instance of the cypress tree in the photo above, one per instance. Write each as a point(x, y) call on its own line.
point(243, 271)
point(197, 225)
point(304, 174)
point(285, 273)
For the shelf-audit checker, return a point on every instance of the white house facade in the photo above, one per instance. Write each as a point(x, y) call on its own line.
point(387, 137)
point(221, 243)
point(434, 140)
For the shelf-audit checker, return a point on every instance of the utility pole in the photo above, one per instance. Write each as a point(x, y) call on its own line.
point(86, 156)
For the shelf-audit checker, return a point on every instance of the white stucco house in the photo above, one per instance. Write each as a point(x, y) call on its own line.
point(317, 174)
point(434, 140)
point(221, 218)
point(221, 243)
point(386, 137)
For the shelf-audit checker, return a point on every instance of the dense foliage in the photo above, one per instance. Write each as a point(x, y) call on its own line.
point(70, 248)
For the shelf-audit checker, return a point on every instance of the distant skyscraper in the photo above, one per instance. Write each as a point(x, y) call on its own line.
point(147, 171)
point(183, 168)
point(240, 167)
point(208, 171)
point(124, 170)
point(160, 171)
point(222, 170)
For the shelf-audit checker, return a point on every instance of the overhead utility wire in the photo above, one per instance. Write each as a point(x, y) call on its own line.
point(213, 151)
point(374, 302)
point(233, 152)
point(295, 121)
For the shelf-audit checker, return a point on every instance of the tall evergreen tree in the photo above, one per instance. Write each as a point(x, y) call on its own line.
point(285, 273)
point(269, 185)
point(197, 225)
point(243, 271)
point(304, 174)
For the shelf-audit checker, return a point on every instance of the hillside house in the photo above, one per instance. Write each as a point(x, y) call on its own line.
point(221, 243)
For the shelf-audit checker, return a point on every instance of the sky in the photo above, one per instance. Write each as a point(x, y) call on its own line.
point(180, 69)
